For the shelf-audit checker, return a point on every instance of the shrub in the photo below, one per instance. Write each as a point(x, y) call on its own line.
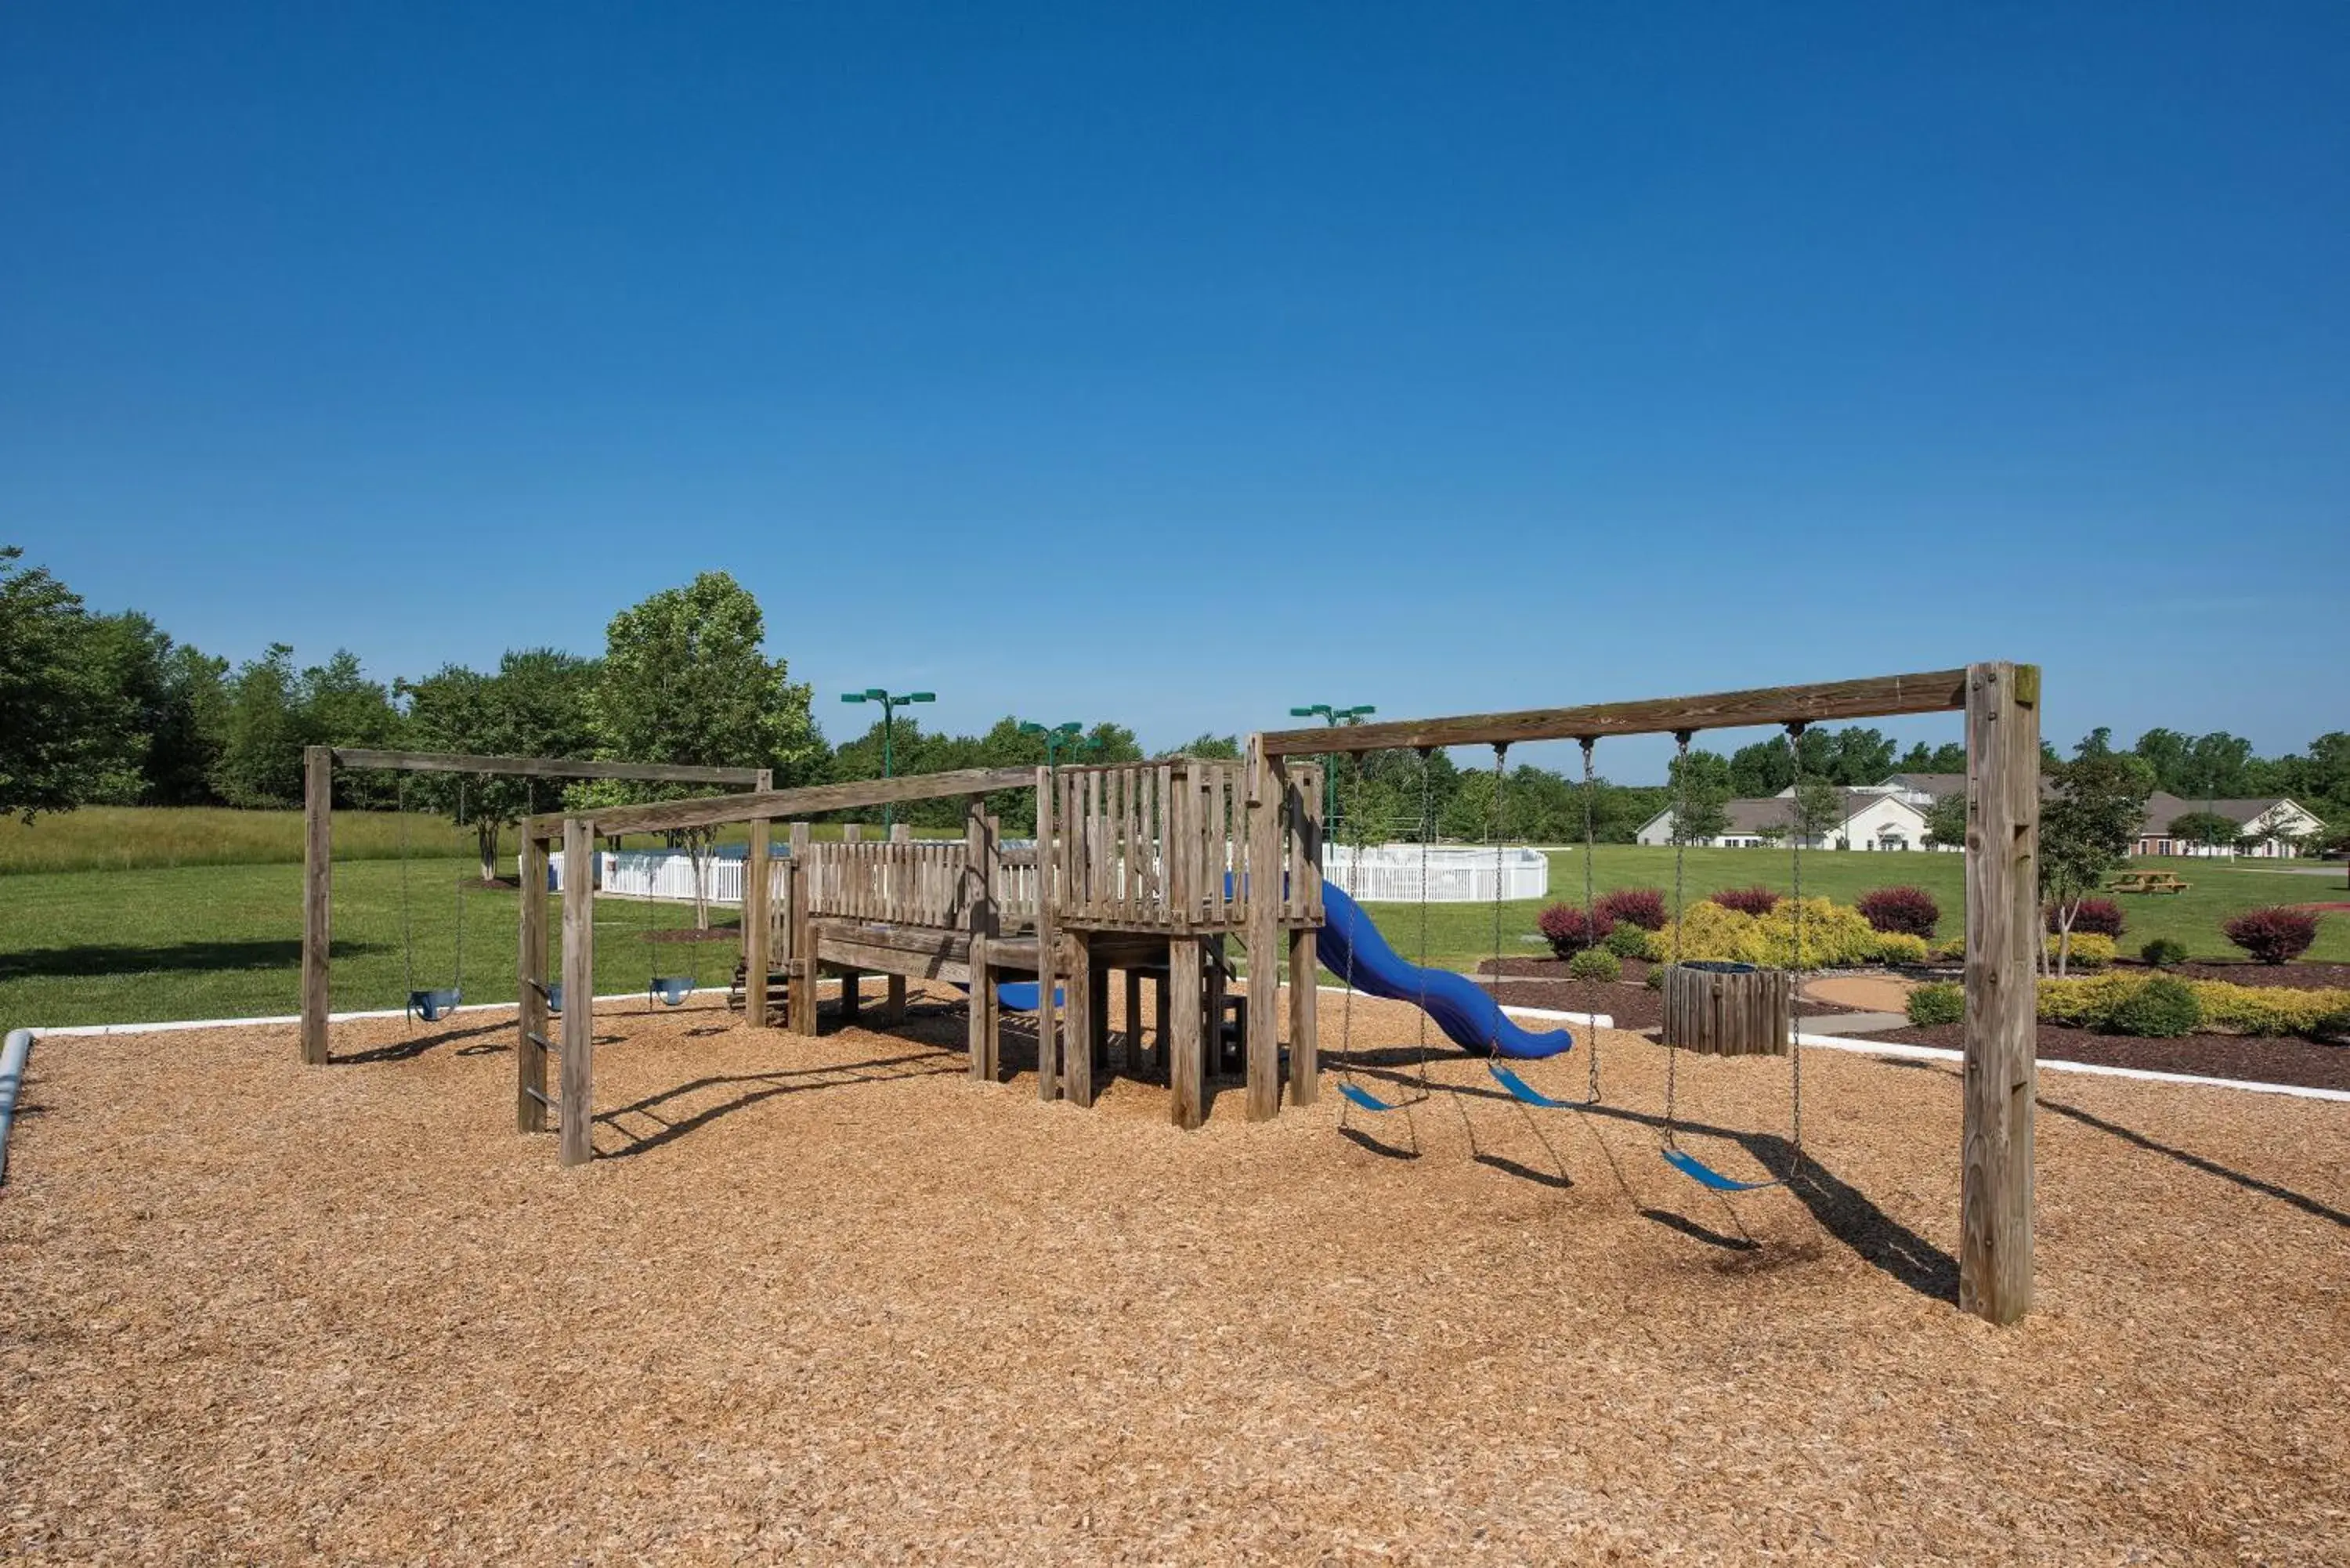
point(1655, 978)
point(1596, 963)
point(2277, 935)
point(1952, 951)
point(2090, 952)
point(1566, 929)
point(2164, 951)
point(2264, 1009)
point(2085, 1004)
point(1629, 941)
point(1908, 909)
point(1900, 947)
point(1707, 930)
point(1833, 935)
point(1641, 907)
point(1755, 901)
point(2160, 1009)
point(2098, 917)
point(2331, 1028)
point(1939, 1003)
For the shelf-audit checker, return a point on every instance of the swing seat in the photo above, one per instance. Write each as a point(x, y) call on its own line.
point(554, 997)
point(1522, 1090)
point(1365, 1098)
point(433, 1005)
point(673, 989)
point(1705, 1176)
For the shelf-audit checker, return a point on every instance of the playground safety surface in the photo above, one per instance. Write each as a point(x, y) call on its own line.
point(829, 1296)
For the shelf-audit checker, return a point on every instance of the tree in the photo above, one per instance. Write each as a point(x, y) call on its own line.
point(2205, 830)
point(1945, 820)
point(1818, 806)
point(1223, 747)
point(53, 756)
point(2087, 828)
point(535, 706)
point(684, 680)
point(1700, 796)
point(260, 759)
point(1949, 757)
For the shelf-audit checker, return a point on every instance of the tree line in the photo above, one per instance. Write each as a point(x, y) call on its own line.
point(109, 709)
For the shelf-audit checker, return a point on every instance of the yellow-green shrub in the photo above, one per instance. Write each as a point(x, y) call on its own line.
point(1834, 935)
point(1707, 930)
point(2090, 952)
point(1899, 947)
point(2238, 1008)
point(1953, 950)
point(2264, 1009)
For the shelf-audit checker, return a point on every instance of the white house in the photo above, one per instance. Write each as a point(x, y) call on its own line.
point(2265, 824)
point(1876, 819)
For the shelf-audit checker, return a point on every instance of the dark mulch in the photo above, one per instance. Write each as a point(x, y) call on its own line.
point(2279, 1060)
point(2244, 972)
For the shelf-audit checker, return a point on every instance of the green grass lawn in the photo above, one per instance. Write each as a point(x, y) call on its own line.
point(140, 837)
point(223, 940)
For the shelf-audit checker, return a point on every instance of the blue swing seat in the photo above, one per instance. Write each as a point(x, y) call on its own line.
point(1365, 1098)
point(673, 989)
point(554, 997)
point(1522, 1090)
point(433, 1006)
point(1704, 1175)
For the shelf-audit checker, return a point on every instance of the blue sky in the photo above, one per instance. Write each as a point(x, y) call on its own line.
point(1178, 365)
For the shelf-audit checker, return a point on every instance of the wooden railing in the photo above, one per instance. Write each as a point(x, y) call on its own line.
point(917, 883)
point(1165, 847)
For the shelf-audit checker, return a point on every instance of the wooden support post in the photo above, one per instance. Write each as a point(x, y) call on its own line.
point(852, 999)
point(1304, 995)
point(2003, 937)
point(1098, 1017)
point(893, 1011)
point(1216, 995)
point(1160, 1031)
point(530, 963)
point(1048, 1055)
point(1186, 1069)
point(1266, 869)
point(1129, 1056)
point(578, 1066)
point(318, 878)
point(802, 998)
point(758, 926)
point(980, 855)
point(1077, 1024)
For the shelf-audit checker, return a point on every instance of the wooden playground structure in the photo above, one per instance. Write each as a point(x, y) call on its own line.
point(1154, 872)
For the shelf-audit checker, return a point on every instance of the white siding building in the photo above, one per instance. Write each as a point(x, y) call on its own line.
point(1875, 819)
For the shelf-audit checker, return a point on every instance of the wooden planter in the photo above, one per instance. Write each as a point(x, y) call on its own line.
point(1727, 1009)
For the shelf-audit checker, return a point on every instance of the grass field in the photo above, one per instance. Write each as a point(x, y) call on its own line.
point(112, 838)
point(114, 947)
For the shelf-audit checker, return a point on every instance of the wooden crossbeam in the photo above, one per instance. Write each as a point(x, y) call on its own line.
point(769, 806)
point(1879, 697)
point(540, 767)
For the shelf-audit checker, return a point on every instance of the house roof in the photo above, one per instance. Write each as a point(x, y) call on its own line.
point(2163, 808)
point(1778, 810)
point(1936, 785)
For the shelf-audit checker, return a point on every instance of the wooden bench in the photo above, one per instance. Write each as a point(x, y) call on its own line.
point(2148, 882)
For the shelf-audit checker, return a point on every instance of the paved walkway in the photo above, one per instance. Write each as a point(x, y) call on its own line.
point(1851, 1023)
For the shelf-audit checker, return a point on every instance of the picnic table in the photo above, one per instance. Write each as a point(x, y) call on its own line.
point(2148, 882)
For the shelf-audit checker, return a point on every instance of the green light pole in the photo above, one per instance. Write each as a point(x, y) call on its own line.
point(1056, 737)
point(1335, 717)
point(890, 702)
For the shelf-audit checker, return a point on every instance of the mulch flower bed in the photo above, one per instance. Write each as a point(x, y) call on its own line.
point(2303, 976)
point(2263, 1059)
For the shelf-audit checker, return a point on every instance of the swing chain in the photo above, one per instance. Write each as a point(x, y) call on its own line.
point(1680, 906)
point(1795, 1022)
point(1590, 904)
point(407, 934)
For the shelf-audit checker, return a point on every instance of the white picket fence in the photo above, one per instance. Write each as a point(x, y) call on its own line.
point(666, 874)
point(1391, 873)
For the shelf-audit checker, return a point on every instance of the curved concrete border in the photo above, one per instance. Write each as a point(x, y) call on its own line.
point(2092, 1069)
point(14, 1053)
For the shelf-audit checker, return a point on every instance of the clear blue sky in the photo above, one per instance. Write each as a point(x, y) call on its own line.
point(1178, 366)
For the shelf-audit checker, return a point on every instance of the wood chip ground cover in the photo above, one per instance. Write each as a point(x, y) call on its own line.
point(830, 1298)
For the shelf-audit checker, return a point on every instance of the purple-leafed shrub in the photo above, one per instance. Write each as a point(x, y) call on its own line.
point(2097, 918)
point(2277, 935)
point(1909, 910)
point(1568, 930)
point(1755, 901)
point(1641, 907)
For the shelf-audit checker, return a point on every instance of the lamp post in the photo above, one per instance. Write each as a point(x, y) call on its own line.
point(890, 702)
point(1333, 717)
point(1056, 737)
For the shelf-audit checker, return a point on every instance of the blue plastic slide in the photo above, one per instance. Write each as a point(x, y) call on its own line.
point(1352, 948)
